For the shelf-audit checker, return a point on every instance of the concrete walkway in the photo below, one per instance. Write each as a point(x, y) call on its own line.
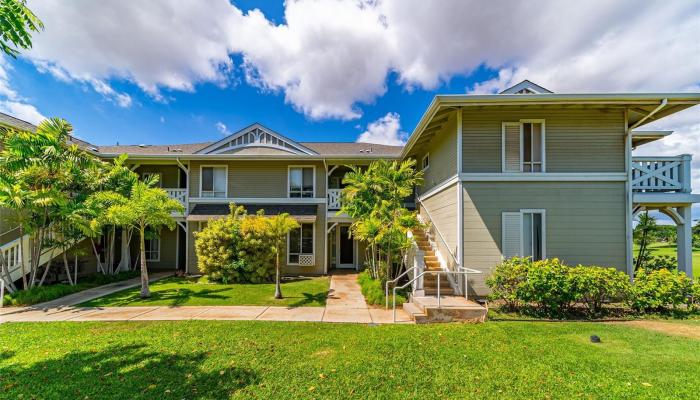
point(345, 304)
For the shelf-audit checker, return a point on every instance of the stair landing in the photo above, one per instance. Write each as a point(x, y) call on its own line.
point(424, 309)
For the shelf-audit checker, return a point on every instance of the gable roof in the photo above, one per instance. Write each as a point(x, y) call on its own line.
point(256, 135)
point(526, 87)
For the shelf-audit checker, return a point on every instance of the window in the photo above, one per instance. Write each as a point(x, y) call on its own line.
point(301, 245)
point(301, 182)
point(148, 175)
point(152, 243)
point(425, 163)
point(524, 234)
point(523, 146)
point(213, 181)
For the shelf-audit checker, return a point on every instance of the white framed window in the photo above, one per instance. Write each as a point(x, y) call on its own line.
point(152, 244)
point(148, 175)
point(523, 146)
point(425, 162)
point(301, 182)
point(524, 234)
point(213, 181)
point(300, 245)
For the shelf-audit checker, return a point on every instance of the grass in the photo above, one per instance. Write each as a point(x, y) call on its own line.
point(669, 249)
point(255, 359)
point(179, 291)
point(40, 294)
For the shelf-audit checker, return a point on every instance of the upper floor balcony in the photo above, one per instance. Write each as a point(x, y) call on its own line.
point(179, 194)
point(661, 174)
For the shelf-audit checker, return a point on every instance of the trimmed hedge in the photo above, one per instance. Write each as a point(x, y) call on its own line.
point(551, 288)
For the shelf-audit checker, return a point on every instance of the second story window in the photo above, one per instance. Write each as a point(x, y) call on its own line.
point(213, 181)
point(524, 146)
point(301, 182)
point(425, 164)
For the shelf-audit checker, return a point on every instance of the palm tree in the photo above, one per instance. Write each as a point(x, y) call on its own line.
point(279, 227)
point(147, 208)
point(644, 233)
point(16, 24)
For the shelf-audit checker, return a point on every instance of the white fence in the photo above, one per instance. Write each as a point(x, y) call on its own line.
point(661, 174)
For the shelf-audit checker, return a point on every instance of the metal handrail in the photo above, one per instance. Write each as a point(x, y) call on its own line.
point(412, 268)
point(442, 238)
point(464, 272)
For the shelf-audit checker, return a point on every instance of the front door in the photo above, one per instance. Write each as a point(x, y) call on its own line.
point(346, 248)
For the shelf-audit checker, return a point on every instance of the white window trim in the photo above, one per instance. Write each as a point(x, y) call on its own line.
point(543, 212)
point(289, 170)
point(145, 175)
point(422, 162)
point(159, 246)
point(522, 148)
point(201, 167)
point(313, 239)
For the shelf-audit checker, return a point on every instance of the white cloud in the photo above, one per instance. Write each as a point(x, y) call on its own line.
point(329, 57)
point(23, 111)
point(221, 127)
point(385, 130)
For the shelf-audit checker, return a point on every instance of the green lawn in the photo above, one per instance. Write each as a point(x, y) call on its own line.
point(255, 359)
point(178, 291)
point(665, 249)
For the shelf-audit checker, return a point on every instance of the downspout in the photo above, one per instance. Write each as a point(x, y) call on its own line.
point(646, 117)
point(187, 210)
point(325, 222)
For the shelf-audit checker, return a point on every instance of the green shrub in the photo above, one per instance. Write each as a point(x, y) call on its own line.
point(695, 295)
point(549, 287)
point(373, 290)
point(656, 290)
point(256, 251)
point(594, 286)
point(661, 262)
point(507, 282)
point(216, 248)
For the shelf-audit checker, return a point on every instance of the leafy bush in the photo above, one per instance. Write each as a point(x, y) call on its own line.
point(658, 289)
point(594, 286)
point(695, 295)
point(507, 282)
point(216, 248)
point(256, 250)
point(373, 290)
point(549, 287)
point(661, 262)
point(237, 248)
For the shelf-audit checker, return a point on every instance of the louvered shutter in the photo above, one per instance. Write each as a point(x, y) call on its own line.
point(511, 147)
point(512, 234)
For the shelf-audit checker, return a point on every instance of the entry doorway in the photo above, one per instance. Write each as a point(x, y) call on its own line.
point(342, 247)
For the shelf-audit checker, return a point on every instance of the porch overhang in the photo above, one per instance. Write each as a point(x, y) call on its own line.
point(300, 212)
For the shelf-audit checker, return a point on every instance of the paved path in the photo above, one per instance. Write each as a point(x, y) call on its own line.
point(345, 304)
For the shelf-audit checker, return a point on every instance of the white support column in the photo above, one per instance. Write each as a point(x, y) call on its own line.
point(685, 241)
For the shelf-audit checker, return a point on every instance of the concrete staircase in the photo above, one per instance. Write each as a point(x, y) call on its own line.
point(424, 307)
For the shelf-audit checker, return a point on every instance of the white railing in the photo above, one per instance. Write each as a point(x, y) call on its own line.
point(11, 259)
point(415, 265)
point(178, 194)
point(661, 174)
point(461, 272)
point(334, 196)
point(434, 233)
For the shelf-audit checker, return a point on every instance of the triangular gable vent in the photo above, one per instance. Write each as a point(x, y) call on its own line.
point(256, 135)
point(526, 87)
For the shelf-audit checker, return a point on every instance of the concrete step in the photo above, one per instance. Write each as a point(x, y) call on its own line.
point(444, 291)
point(415, 313)
point(452, 308)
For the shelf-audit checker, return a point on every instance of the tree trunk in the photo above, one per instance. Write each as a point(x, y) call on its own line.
point(278, 287)
point(97, 256)
point(145, 291)
point(75, 268)
point(46, 272)
point(112, 244)
point(67, 267)
point(21, 257)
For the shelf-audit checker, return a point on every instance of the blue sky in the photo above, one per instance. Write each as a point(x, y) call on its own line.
point(332, 70)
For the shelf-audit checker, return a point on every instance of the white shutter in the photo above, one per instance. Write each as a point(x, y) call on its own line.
point(511, 245)
point(511, 147)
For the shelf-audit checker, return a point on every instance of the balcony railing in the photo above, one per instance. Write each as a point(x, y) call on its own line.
point(178, 194)
point(661, 174)
point(334, 199)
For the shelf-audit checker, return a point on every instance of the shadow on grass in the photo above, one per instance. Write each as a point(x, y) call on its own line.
point(123, 372)
point(175, 297)
point(308, 298)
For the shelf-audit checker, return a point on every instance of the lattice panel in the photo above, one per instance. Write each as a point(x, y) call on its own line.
point(306, 259)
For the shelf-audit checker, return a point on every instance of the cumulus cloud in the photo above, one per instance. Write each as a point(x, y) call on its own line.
point(330, 57)
point(385, 130)
point(222, 128)
point(11, 102)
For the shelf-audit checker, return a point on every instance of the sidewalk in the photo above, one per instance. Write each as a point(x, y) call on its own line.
point(345, 304)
